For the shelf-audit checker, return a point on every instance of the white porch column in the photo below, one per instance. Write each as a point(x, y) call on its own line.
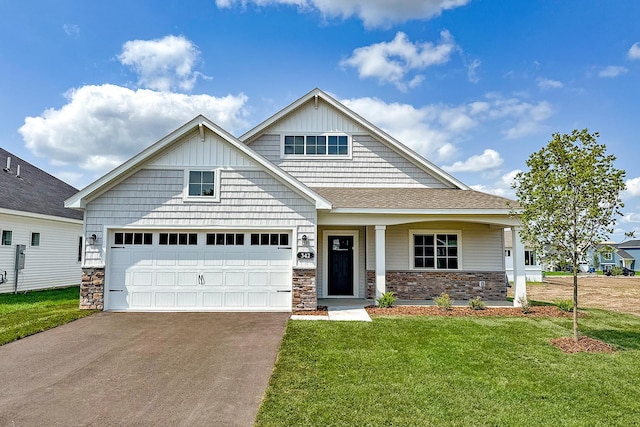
point(381, 270)
point(519, 276)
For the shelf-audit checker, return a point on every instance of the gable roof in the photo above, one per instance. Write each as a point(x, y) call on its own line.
point(93, 190)
point(630, 244)
point(425, 199)
point(316, 94)
point(34, 190)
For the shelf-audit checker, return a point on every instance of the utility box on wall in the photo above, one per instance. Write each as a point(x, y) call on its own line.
point(20, 256)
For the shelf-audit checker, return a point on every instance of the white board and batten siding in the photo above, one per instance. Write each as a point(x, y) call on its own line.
point(480, 245)
point(371, 163)
point(54, 263)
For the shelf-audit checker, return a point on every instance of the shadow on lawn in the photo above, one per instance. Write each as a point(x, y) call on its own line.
point(624, 340)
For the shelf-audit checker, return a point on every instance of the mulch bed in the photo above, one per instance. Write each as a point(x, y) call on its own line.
point(584, 344)
point(413, 310)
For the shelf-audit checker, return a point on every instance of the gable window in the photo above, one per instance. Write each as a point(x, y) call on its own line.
point(607, 256)
point(202, 185)
point(316, 145)
point(6, 237)
point(439, 251)
point(35, 239)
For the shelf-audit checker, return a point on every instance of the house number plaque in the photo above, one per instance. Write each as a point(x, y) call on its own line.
point(305, 255)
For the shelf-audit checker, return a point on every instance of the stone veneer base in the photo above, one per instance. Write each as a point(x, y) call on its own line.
point(304, 295)
point(92, 289)
point(427, 285)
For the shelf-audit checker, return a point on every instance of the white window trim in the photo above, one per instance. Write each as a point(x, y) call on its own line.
point(349, 154)
point(607, 256)
point(434, 232)
point(31, 239)
point(216, 182)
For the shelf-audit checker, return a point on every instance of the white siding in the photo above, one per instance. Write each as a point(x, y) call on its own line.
point(307, 118)
point(194, 152)
point(372, 164)
point(153, 198)
point(52, 264)
point(481, 245)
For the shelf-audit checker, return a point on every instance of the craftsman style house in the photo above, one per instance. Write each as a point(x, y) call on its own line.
point(315, 202)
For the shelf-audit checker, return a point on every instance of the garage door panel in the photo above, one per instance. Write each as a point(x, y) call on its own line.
point(166, 278)
point(257, 299)
point(217, 277)
point(165, 299)
point(187, 299)
point(212, 299)
point(187, 278)
point(140, 299)
point(234, 299)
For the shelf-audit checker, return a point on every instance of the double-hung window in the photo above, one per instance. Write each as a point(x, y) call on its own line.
point(202, 185)
point(435, 250)
point(316, 145)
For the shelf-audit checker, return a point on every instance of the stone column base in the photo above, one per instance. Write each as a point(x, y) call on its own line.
point(304, 289)
point(92, 289)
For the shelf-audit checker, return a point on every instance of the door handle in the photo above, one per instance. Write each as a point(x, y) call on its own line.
point(280, 290)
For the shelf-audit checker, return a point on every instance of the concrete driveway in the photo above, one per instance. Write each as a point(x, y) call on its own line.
point(141, 369)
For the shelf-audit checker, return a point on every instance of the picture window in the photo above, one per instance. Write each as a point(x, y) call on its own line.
point(436, 251)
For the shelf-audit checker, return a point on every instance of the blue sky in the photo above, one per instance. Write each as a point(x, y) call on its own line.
point(475, 86)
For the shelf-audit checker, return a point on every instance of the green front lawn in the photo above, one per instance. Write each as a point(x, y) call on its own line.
point(28, 313)
point(457, 371)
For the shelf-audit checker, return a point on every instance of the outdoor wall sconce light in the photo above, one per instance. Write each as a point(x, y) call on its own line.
point(305, 240)
point(92, 239)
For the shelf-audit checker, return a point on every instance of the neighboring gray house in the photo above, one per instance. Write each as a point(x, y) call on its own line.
point(315, 202)
point(32, 214)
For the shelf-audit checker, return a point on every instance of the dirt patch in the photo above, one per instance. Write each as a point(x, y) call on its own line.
point(410, 310)
point(620, 294)
point(584, 344)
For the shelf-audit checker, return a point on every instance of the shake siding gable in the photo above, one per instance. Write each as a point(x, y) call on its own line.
point(372, 164)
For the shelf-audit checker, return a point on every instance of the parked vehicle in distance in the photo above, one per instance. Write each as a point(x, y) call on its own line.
point(628, 272)
point(608, 271)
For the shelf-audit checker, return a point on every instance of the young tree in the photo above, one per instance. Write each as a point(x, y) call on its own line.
point(570, 200)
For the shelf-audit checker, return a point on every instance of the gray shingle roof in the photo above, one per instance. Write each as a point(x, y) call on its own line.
point(630, 244)
point(35, 191)
point(412, 198)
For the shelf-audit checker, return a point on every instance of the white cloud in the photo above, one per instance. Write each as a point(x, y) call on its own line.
point(389, 62)
point(633, 187)
point(634, 51)
point(544, 83)
point(102, 126)
point(489, 159)
point(502, 187)
point(71, 30)
point(472, 76)
point(612, 71)
point(373, 13)
point(163, 64)
point(435, 130)
point(630, 217)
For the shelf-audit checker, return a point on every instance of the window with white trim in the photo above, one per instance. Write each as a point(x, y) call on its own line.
point(35, 239)
point(316, 145)
point(202, 185)
point(438, 251)
point(529, 258)
point(607, 256)
point(6, 237)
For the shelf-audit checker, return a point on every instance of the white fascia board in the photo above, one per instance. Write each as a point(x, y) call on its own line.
point(40, 216)
point(376, 211)
point(79, 200)
point(377, 132)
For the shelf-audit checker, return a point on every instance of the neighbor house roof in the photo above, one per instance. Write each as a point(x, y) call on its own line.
point(630, 244)
point(33, 190)
point(616, 248)
point(426, 199)
point(384, 137)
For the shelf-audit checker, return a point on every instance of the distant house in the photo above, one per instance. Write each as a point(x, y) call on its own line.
point(533, 269)
point(313, 203)
point(625, 254)
point(34, 222)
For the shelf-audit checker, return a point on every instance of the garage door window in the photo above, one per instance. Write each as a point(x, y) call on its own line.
point(227, 239)
point(133, 238)
point(270, 239)
point(178, 239)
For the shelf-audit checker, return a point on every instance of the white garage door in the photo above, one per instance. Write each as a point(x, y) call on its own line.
point(199, 271)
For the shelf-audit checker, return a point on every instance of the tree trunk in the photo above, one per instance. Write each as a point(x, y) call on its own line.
point(575, 303)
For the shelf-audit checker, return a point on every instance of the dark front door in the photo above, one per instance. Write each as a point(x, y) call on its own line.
point(340, 265)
